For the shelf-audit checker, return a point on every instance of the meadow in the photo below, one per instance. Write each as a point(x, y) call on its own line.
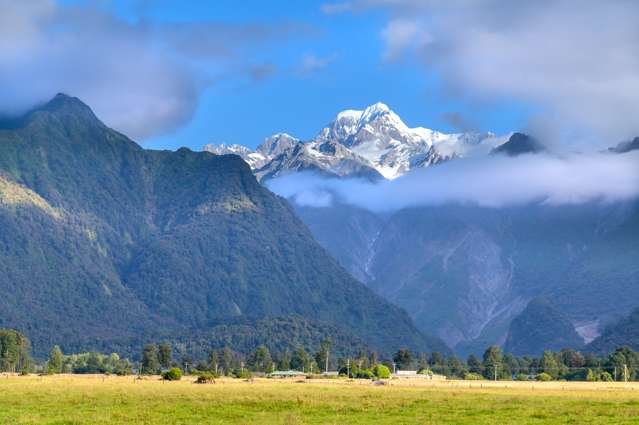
point(67, 399)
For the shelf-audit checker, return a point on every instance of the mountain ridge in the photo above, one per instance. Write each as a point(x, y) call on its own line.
point(155, 244)
point(373, 143)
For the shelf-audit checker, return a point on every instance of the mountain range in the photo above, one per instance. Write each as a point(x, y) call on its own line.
point(105, 246)
point(473, 275)
point(373, 143)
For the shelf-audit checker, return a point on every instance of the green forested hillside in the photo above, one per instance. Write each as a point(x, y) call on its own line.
point(105, 244)
point(622, 333)
point(541, 326)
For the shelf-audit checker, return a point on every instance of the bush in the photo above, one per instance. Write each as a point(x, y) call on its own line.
point(544, 377)
point(473, 376)
point(606, 377)
point(521, 377)
point(242, 374)
point(381, 371)
point(173, 374)
point(205, 378)
point(362, 374)
point(425, 372)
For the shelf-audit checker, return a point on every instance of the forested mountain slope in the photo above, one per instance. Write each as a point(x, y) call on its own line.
point(105, 244)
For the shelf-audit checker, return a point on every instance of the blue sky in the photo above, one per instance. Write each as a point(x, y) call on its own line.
point(245, 111)
point(187, 73)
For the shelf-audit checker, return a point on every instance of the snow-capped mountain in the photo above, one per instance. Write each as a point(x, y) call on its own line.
point(373, 143)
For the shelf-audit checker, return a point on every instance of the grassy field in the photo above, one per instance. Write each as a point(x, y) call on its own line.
point(118, 400)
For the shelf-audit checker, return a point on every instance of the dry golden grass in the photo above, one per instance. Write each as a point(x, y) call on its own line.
point(65, 399)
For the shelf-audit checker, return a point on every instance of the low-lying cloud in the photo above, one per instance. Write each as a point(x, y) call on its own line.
point(495, 181)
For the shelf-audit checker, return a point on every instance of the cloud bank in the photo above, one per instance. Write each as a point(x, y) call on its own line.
point(577, 61)
point(495, 181)
point(141, 78)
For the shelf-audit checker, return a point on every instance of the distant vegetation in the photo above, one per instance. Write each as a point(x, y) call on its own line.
point(15, 350)
point(169, 361)
point(624, 332)
point(541, 324)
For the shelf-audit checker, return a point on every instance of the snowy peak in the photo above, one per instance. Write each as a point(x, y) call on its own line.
point(375, 111)
point(373, 142)
point(253, 159)
point(277, 144)
point(223, 149)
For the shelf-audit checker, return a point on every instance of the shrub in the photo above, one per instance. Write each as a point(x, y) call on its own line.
point(425, 372)
point(544, 377)
point(362, 374)
point(606, 377)
point(205, 378)
point(521, 377)
point(381, 371)
point(173, 374)
point(473, 376)
point(242, 374)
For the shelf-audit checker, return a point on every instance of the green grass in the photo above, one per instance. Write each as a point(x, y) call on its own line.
point(111, 400)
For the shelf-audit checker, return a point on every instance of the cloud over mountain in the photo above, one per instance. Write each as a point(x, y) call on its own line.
point(576, 61)
point(493, 181)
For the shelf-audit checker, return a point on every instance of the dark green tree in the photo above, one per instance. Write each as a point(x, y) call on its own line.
point(165, 355)
point(284, 360)
point(403, 359)
point(474, 364)
point(455, 367)
point(226, 360)
point(15, 351)
point(436, 359)
point(95, 363)
point(150, 363)
point(301, 360)
point(260, 360)
point(492, 364)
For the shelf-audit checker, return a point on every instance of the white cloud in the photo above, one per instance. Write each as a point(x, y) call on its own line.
point(311, 63)
point(400, 35)
point(143, 79)
point(577, 61)
point(494, 181)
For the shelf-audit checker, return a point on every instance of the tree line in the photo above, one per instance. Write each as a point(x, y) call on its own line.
point(567, 364)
